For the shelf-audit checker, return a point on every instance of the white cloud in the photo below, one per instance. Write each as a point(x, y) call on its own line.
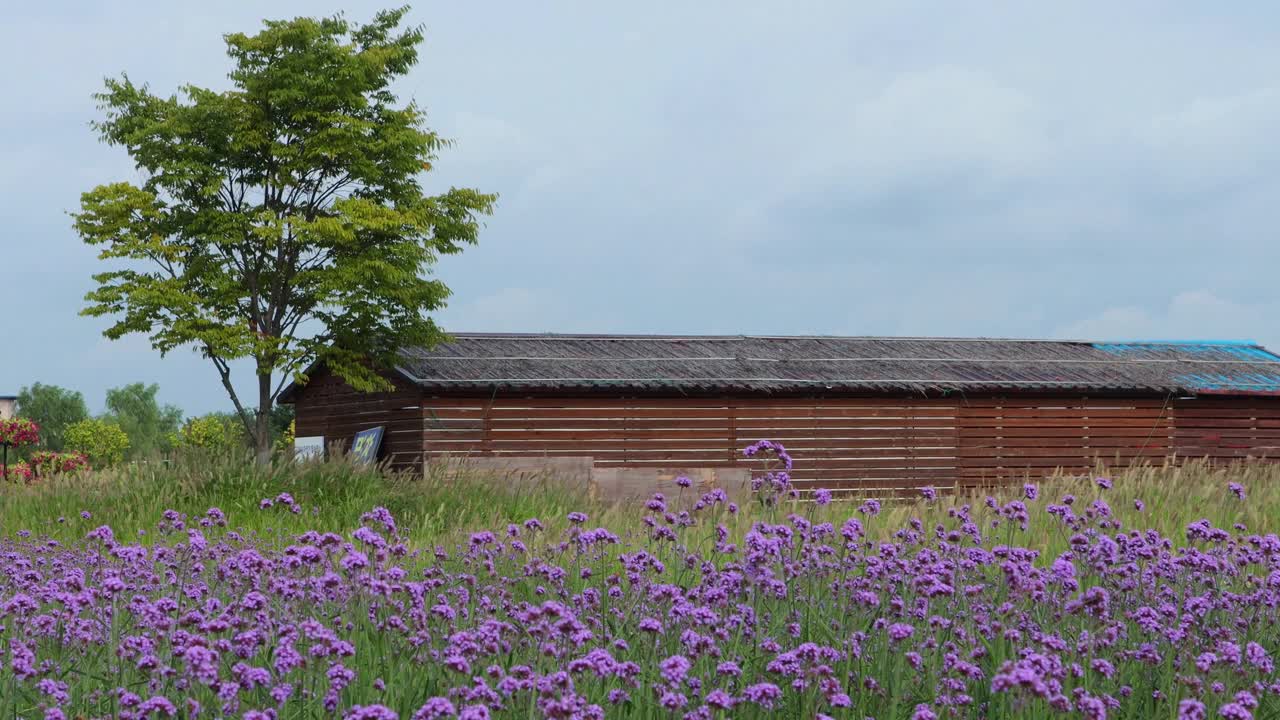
point(950, 119)
point(946, 123)
point(1214, 140)
point(1189, 315)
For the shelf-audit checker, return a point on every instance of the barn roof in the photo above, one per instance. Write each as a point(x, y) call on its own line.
point(776, 365)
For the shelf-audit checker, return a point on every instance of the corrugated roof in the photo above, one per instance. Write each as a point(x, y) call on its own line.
point(761, 364)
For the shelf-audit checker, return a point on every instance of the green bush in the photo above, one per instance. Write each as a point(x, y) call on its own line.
point(46, 464)
point(211, 432)
point(104, 442)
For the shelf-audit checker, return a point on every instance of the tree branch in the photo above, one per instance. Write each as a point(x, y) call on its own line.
point(224, 371)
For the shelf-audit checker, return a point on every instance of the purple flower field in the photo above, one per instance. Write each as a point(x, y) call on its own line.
point(696, 609)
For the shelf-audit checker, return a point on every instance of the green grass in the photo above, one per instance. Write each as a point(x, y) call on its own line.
point(439, 508)
point(332, 496)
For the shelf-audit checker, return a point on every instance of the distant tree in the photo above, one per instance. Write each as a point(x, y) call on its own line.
point(281, 421)
point(52, 408)
point(148, 424)
point(282, 221)
point(102, 441)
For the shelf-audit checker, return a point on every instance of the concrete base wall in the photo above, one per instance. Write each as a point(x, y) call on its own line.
point(617, 484)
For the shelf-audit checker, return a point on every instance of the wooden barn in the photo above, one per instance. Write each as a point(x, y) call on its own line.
point(869, 414)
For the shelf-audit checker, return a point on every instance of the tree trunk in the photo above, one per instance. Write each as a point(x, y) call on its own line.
point(262, 423)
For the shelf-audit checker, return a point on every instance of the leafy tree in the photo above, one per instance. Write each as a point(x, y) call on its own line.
point(282, 221)
point(52, 408)
point(103, 441)
point(149, 425)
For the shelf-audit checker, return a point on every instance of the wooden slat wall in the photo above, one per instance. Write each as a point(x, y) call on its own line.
point(1008, 438)
point(331, 408)
point(616, 432)
point(872, 446)
point(868, 446)
point(1225, 430)
point(882, 446)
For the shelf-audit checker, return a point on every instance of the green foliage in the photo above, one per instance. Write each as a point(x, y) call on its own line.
point(284, 443)
point(215, 431)
point(283, 220)
point(149, 425)
point(103, 441)
point(331, 494)
point(280, 418)
point(52, 408)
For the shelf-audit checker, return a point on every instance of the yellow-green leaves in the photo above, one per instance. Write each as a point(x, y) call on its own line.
point(103, 441)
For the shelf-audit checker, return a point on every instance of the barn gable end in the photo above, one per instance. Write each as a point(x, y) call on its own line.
point(329, 408)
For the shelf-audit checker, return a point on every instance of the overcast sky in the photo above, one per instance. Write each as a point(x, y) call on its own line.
point(1085, 170)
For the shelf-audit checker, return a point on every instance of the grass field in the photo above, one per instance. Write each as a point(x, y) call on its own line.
point(164, 590)
point(437, 509)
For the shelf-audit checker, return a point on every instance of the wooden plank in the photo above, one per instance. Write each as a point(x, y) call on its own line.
point(1036, 463)
point(1259, 434)
point(1037, 415)
point(837, 452)
point(1202, 420)
point(783, 435)
point(588, 447)
point(607, 423)
point(881, 462)
point(1186, 416)
point(1030, 452)
point(1052, 432)
point(844, 421)
point(837, 413)
point(973, 403)
point(1081, 422)
point(560, 401)
point(496, 434)
point(810, 485)
point(1159, 439)
point(925, 476)
point(499, 413)
point(800, 448)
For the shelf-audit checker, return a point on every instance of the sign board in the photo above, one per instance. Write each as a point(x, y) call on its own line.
point(305, 448)
point(364, 449)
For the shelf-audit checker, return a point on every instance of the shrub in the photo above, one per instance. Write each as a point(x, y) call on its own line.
point(18, 471)
point(48, 464)
point(213, 432)
point(102, 441)
point(284, 444)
